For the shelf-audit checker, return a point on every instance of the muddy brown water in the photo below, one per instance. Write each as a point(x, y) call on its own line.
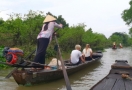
point(82, 80)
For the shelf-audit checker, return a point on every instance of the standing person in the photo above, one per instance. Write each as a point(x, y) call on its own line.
point(120, 45)
point(76, 55)
point(87, 53)
point(114, 45)
point(44, 37)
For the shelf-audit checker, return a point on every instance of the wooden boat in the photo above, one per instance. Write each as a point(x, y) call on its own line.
point(121, 46)
point(27, 77)
point(114, 47)
point(119, 77)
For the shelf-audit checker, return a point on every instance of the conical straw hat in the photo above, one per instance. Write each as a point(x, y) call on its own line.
point(49, 18)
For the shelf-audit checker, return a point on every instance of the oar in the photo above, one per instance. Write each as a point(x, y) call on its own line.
point(10, 74)
point(26, 64)
point(29, 64)
point(68, 86)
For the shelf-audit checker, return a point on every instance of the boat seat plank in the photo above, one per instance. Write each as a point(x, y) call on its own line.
point(128, 84)
point(114, 76)
point(115, 79)
point(119, 85)
point(100, 85)
point(121, 65)
point(107, 84)
point(121, 71)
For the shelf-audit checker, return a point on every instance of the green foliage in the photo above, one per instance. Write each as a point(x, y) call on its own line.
point(127, 17)
point(2, 66)
point(119, 37)
point(1, 51)
point(60, 19)
point(2, 58)
point(1, 21)
point(127, 14)
point(88, 36)
point(69, 37)
point(96, 40)
point(21, 31)
point(25, 27)
point(50, 52)
point(130, 32)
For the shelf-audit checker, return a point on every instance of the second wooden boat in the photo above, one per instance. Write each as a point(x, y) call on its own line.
point(119, 77)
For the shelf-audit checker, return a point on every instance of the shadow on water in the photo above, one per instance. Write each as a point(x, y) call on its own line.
point(82, 80)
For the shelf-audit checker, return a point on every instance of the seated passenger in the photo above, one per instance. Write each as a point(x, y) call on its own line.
point(76, 55)
point(120, 45)
point(87, 53)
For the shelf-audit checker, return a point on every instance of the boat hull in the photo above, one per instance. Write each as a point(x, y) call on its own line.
point(27, 77)
point(115, 80)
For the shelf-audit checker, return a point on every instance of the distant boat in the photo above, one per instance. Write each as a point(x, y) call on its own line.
point(121, 46)
point(114, 47)
point(119, 77)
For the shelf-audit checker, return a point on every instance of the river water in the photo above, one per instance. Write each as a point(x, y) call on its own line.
point(82, 80)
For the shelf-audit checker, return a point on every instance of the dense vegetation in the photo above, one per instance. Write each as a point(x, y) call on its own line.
point(127, 17)
point(21, 31)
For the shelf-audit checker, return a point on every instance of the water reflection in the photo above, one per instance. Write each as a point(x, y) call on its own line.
point(82, 80)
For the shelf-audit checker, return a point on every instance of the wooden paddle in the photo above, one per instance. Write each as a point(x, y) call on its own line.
point(26, 64)
point(10, 74)
point(68, 86)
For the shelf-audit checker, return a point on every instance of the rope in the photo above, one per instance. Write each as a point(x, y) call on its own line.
point(126, 76)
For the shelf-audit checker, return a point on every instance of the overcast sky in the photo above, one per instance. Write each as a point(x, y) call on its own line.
point(103, 16)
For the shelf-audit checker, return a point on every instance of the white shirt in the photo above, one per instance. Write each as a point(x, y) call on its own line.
point(87, 52)
point(75, 55)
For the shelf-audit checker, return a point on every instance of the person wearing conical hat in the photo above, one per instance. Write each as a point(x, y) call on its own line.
point(44, 37)
point(120, 45)
point(114, 45)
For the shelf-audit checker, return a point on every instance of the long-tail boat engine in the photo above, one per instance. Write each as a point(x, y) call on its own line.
point(13, 55)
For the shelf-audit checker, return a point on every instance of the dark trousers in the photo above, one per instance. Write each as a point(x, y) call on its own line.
point(42, 45)
point(78, 62)
point(88, 58)
point(114, 46)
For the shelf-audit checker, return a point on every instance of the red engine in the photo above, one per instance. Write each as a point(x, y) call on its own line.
point(13, 55)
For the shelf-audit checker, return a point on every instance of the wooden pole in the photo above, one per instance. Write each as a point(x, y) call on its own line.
point(68, 86)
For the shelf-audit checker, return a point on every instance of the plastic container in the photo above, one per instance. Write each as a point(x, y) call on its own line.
point(53, 67)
